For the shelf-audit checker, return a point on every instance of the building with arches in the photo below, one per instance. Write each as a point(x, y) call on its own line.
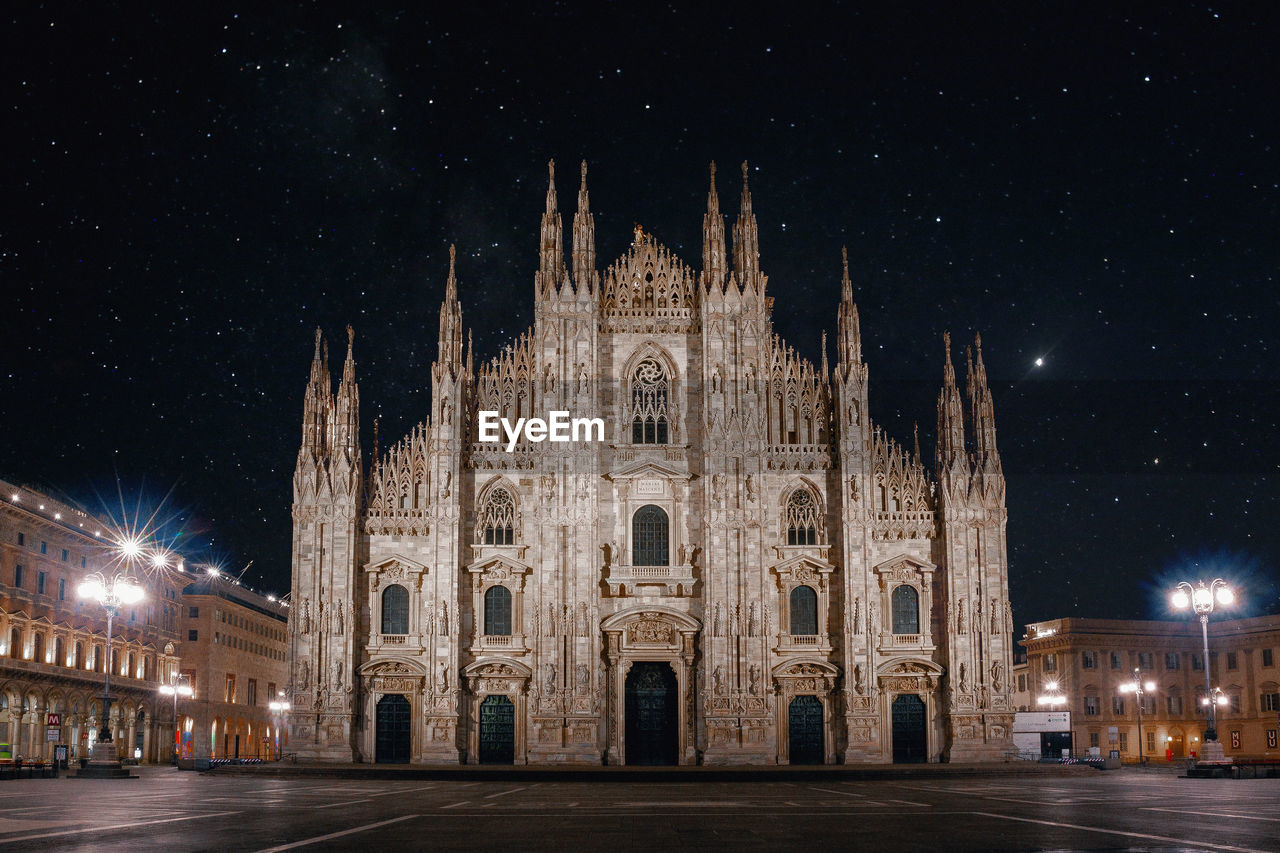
point(746, 570)
point(53, 645)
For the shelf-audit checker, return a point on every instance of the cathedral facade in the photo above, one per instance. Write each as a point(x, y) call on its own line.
point(746, 570)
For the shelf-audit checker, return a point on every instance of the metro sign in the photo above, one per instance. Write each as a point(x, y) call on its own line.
point(53, 719)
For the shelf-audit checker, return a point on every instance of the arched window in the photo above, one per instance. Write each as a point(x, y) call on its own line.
point(133, 666)
point(649, 537)
point(804, 612)
point(906, 610)
point(497, 611)
point(15, 643)
point(650, 415)
point(395, 610)
point(37, 647)
point(79, 655)
point(59, 653)
point(802, 518)
point(498, 519)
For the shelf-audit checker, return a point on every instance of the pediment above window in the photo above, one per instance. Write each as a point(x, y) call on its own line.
point(395, 567)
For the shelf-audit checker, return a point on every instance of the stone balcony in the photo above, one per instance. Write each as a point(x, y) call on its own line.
point(676, 581)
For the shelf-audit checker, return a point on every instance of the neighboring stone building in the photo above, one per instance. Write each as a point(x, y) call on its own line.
point(745, 569)
point(52, 644)
point(235, 654)
point(1091, 659)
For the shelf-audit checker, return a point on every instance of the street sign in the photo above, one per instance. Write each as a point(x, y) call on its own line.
point(53, 735)
point(54, 720)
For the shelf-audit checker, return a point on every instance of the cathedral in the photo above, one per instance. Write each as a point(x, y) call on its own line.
point(744, 570)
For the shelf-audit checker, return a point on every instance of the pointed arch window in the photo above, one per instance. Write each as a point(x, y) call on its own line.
point(497, 612)
point(802, 518)
point(498, 519)
point(650, 402)
point(395, 610)
point(906, 610)
point(804, 611)
point(649, 537)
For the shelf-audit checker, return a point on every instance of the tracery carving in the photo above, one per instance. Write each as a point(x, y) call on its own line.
point(901, 495)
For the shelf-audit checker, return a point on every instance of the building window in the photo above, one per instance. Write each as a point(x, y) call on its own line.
point(193, 612)
point(82, 562)
point(1092, 707)
point(18, 572)
point(15, 643)
point(1267, 658)
point(62, 589)
point(498, 518)
point(1124, 741)
point(231, 689)
point(271, 691)
point(395, 610)
point(1231, 660)
point(44, 547)
point(80, 655)
point(649, 537)
point(1270, 701)
point(497, 612)
point(1088, 660)
point(22, 538)
point(66, 555)
point(1022, 684)
point(1197, 663)
point(193, 635)
point(1115, 660)
point(802, 518)
point(1117, 705)
point(1148, 705)
point(251, 692)
point(1151, 741)
point(1175, 705)
point(649, 408)
point(804, 612)
point(1171, 661)
point(37, 647)
point(1050, 662)
point(906, 610)
point(1093, 739)
point(1233, 702)
point(40, 579)
point(1146, 660)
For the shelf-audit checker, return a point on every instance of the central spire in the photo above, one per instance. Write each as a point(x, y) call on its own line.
point(850, 343)
point(584, 239)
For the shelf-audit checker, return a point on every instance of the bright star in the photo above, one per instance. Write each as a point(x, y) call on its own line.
point(1039, 362)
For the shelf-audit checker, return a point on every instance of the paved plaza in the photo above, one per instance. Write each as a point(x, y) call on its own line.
point(172, 810)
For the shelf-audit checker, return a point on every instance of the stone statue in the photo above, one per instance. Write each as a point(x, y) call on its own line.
point(717, 489)
point(962, 621)
point(997, 671)
point(584, 676)
point(964, 683)
point(859, 684)
point(717, 679)
point(751, 488)
point(753, 676)
point(995, 616)
point(442, 678)
point(609, 553)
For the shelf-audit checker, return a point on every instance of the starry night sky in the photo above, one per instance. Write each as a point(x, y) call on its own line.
point(190, 191)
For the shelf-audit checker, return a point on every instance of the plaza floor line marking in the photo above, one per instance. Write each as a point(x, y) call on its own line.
point(1125, 833)
point(833, 791)
point(108, 828)
point(1212, 814)
point(500, 793)
point(353, 830)
point(331, 805)
point(908, 803)
point(455, 805)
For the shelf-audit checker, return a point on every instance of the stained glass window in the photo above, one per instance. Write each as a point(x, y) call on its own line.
point(649, 537)
point(649, 395)
point(497, 612)
point(906, 610)
point(804, 612)
point(498, 518)
point(395, 610)
point(802, 518)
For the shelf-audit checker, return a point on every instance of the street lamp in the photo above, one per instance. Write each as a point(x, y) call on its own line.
point(278, 709)
point(175, 690)
point(1138, 688)
point(1201, 600)
point(110, 593)
point(1053, 696)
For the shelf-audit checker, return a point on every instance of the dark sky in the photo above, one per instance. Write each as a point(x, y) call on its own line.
point(189, 192)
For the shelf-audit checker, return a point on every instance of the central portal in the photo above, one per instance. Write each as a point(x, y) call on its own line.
point(393, 740)
point(651, 714)
point(497, 730)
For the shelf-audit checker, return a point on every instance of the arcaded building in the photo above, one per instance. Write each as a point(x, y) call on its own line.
point(741, 569)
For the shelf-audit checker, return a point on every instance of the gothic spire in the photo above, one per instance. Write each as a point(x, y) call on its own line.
point(317, 401)
point(449, 343)
point(713, 260)
point(551, 257)
point(950, 448)
point(982, 412)
point(346, 424)
point(746, 236)
point(584, 239)
point(850, 331)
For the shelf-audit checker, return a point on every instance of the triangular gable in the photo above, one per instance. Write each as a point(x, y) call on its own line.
point(637, 470)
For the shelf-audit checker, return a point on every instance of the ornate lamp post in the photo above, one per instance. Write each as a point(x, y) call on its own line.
point(110, 593)
point(175, 690)
point(1139, 688)
point(1201, 599)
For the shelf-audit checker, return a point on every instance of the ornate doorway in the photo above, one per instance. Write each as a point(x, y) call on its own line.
point(497, 730)
point(652, 700)
point(804, 728)
point(393, 730)
point(908, 730)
